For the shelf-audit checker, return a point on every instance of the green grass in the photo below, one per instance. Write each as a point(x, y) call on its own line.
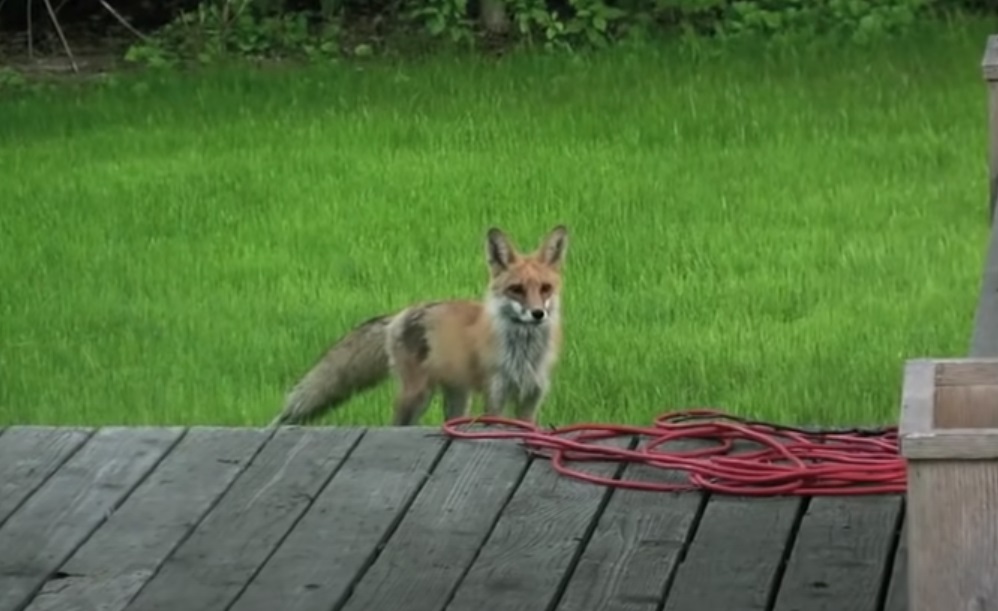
point(767, 235)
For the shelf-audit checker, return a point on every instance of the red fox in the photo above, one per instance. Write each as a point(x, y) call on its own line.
point(503, 348)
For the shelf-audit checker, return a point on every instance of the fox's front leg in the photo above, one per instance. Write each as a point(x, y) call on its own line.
point(530, 400)
point(495, 397)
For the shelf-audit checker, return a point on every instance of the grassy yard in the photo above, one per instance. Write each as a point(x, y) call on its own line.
point(767, 235)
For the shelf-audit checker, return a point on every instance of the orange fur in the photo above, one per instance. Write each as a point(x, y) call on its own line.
point(503, 347)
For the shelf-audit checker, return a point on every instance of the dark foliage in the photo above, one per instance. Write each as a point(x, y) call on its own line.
point(206, 29)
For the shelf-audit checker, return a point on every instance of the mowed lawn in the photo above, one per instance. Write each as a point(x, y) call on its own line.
point(772, 236)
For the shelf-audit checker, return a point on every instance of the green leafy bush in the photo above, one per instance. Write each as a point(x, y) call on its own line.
point(281, 28)
point(247, 28)
point(858, 20)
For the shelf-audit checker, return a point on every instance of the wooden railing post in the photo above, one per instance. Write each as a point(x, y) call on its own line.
point(949, 440)
point(989, 66)
point(984, 341)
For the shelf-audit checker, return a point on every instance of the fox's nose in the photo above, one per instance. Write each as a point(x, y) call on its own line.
point(538, 314)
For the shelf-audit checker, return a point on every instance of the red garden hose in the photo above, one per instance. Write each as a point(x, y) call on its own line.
point(744, 457)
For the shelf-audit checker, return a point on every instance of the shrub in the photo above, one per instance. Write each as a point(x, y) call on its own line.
point(206, 30)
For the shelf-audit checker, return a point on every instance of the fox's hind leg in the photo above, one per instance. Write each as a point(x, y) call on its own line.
point(408, 349)
point(413, 398)
point(415, 388)
point(456, 401)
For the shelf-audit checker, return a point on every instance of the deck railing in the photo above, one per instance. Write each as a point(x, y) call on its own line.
point(984, 340)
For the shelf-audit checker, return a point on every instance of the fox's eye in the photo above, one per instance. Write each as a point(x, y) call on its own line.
point(545, 288)
point(516, 289)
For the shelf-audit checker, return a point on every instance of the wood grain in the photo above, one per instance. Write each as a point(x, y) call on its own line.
point(339, 536)
point(212, 566)
point(313, 520)
point(918, 392)
point(110, 568)
point(950, 444)
point(734, 559)
point(953, 536)
point(969, 407)
point(842, 553)
point(532, 547)
point(966, 372)
point(897, 591)
point(70, 505)
point(989, 69)
point(440, 535)
point(989, 63)
point(29, 455)
point(636, 546)
point(984, 338)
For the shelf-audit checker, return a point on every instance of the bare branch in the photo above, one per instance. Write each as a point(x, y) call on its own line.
point(62, 37)
point(122, 20)
point(31, 37)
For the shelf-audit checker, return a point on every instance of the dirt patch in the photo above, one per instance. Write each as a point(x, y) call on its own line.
point(43, 56)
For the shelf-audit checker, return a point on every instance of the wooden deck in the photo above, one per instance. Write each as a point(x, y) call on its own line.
point(320, 518)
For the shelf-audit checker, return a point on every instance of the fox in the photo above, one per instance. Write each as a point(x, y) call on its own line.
point(503, 348)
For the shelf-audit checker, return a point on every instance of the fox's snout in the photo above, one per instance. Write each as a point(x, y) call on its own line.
point(533, 300)
point(527, 312)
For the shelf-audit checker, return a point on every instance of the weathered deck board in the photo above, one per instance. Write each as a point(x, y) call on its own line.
point(63, 512)
point(337, 538)
point(536, 539)
point(28, 456)
point(312, 518)
point(897, 592)
point(443, 530)
point(635, 547)
point(110, 568)
point(734, 559)
point(841, 556)
point(212, 566)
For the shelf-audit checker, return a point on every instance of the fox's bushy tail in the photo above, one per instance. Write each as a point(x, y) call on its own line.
point(356, 362)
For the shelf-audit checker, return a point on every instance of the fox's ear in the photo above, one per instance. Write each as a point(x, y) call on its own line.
point(554, 246)
point(499, 252)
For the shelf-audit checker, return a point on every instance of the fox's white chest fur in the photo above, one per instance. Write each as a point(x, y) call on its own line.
point(524, 358)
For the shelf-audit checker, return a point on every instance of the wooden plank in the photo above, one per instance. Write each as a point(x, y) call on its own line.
point(339, 536)
point(111, 567)
point(984, 341)
point(952, 444)
point(989, 63)
point(969, 407)
point(636, 546)
point(897, 591)
point(74, 501)
point(989, 69)
point(734, 559)
point(536, 540)
point(439, 536)
point(966, 372)
point(29, 455)
point(953, 536)
point(213, 565)
point(917, 396)
point(841, 554)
